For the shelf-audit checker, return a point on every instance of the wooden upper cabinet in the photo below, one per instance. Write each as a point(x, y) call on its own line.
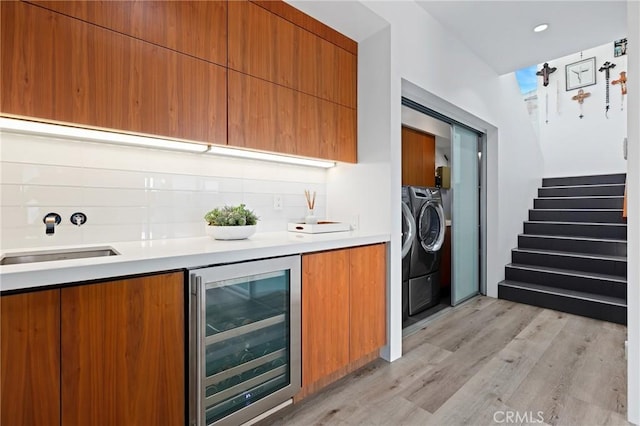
point(30, 366)
point(367, 302)
point(269, 117)
point(123, 352)
point(197, 28)
point(305, 21)
point(325, 314)
point(55, 67)
point(267, 46)
point(418, 158)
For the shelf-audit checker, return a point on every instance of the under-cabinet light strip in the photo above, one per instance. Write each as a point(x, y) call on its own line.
point(255, 155)
point(48, 129)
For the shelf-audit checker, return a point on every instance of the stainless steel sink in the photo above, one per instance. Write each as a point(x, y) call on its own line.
point(51, 255)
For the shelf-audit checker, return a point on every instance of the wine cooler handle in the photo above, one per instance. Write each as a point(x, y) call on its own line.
point(197, 335)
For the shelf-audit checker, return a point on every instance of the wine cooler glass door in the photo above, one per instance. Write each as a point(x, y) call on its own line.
point(249, 338)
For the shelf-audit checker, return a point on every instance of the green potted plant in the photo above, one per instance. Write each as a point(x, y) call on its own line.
point(231, 222)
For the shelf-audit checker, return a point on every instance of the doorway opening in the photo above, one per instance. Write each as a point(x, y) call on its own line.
point(444, 205)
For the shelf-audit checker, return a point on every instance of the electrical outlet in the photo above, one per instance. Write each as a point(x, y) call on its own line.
point(355, 222)
point(277, 202)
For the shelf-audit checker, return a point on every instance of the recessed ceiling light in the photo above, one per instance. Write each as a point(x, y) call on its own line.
point(540, 28)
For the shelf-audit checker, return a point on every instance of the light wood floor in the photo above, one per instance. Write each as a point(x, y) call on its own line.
point(478, 362)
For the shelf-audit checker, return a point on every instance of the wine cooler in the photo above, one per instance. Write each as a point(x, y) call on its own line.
point(244, 339)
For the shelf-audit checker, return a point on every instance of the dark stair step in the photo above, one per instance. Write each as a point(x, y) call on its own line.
point(582, 190)
point(578, 215)
point(601, 264)
point(573, 244)
point(574, 302)
point(590, 282)
point(578, 203)
point(594, 230)
point(585, 180)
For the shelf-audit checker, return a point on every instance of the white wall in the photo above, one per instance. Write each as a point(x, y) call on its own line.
point(133, 193)
point(361, 193)
point(572, 146)
point(419, 45)
point(416, 48)
point(633, 222)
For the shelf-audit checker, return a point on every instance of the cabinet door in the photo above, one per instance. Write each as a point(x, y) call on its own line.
point(284, 120)
point(123, 352)
point(59, 68)
point(325, 314)
point(197, 28)
point(418, 158)
point(30, 366)
point(291, 14)
point(264, 45)
point(368, 299)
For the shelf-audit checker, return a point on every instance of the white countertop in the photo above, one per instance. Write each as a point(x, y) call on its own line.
point(141, 257)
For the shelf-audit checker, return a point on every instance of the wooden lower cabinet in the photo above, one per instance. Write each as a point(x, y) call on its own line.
point(30, 367)
point(343, 312)
point(325, 314)
point(123, 349)
point(111, 353)
point(367, 307)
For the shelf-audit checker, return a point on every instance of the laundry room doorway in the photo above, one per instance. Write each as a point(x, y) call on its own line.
point(443, 213)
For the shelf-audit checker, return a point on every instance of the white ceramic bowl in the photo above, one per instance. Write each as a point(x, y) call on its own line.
point(230, 232)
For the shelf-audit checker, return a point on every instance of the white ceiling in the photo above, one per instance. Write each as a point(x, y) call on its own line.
point(499, 32)
point(349, 17)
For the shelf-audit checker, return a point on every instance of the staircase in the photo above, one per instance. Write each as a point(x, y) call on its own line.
point(572, 256)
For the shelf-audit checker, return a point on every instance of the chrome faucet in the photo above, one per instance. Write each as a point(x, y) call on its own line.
point(50, 221)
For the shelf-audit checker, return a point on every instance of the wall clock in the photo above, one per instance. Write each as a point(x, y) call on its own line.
point(581, 73)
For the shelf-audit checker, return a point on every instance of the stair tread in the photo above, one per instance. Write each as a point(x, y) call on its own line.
point(582, 197)
point(550, 222)
point(579, 210)
point(565, 292)
point(571, 237)
point(571, 272)
point(580, 186)
point(571, 254)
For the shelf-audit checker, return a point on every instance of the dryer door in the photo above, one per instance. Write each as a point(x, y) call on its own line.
point(408, 229)
point(431, 226)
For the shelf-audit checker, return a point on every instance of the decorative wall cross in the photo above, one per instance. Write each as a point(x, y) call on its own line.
point(545, 72)
point(622, 81)
point(580, 97)
point(606, 67)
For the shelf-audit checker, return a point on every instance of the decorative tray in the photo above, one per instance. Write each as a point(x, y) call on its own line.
point(318, 228)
